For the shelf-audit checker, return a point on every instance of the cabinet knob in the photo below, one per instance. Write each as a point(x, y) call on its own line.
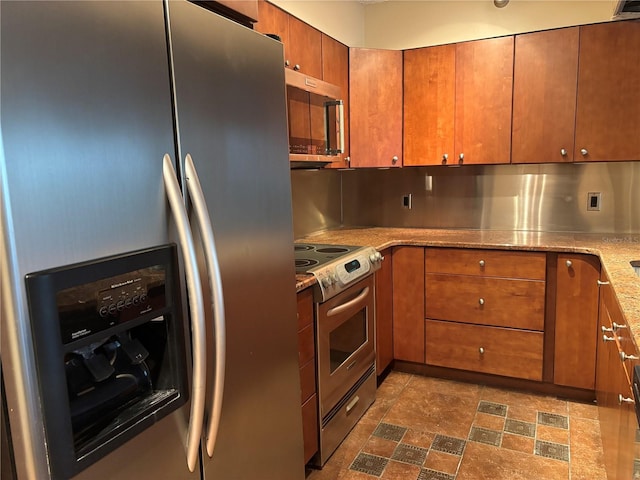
point(563, 152)
point(445, 157)
point(296, 67)
point(606, 339)
point(618, 326)
point(287, 63)
point(394, 160)
point(605, 329)
point(622, 399)
point(569, 263)
point(481, 301)
point(461, 157)
point(481, 350)
point(624, 356)
point(481, 263)
point(584, 152)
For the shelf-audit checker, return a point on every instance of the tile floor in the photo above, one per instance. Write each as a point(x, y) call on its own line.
point(423, 428)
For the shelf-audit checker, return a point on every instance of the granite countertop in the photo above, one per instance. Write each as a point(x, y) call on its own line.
point(614, 250)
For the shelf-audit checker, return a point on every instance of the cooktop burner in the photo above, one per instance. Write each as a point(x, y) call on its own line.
point(314, 255)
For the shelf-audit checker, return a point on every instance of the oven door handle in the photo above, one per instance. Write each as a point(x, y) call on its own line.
point(215, 283)
point(350, 304)
point(196, 310)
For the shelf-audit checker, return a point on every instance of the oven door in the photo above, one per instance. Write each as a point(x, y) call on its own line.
point(345, 337)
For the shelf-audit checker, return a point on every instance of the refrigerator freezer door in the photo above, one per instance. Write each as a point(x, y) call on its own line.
point(231, 111)
point(86, 119)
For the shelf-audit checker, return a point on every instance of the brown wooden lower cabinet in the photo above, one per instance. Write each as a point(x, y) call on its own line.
point(307, 363)
point(494, 350)
point(384, 313)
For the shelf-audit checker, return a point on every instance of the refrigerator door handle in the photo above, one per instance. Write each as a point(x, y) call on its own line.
point(196, 310)
point(215, 283)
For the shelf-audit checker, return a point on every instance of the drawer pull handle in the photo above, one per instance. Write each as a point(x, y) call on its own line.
point(481, 263)
point(624, 356)
point(618, 326)
point(352, 403)
point(569, 263)
point(605, 329)
point(622, 399)
point(608, 339)
point(481, 350)
point(600, 282)
point(481, 301)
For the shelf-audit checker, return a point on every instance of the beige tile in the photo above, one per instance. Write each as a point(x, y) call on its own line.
point(482, 461)
point(400, 471)
point(379, 446)
point(492, 422)
point(518, 442)
point(587, 457)
point(515, 399)
point(552, 434)
point(418, 438)
point(583, 410)
point(442, 462)
point(522, 412)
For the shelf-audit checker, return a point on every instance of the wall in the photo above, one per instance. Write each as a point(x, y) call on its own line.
point(548, 197)
point(408, 24)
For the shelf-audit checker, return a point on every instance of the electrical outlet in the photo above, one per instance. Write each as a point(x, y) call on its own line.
point(594, 201)
point(406, 201)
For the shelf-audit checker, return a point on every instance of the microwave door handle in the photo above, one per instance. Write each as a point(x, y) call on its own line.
point(350, 304)
point(196, 310)
point(330, 125)
point(215, 283)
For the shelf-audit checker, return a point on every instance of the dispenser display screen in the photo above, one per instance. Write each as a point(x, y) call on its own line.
point(93, 307)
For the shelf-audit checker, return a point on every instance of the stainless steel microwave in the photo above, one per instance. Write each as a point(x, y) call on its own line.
point(316, 120)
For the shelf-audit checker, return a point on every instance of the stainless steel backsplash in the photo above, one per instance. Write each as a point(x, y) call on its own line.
point(548, 197)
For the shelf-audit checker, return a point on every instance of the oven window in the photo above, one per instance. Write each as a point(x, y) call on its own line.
point(347, 338)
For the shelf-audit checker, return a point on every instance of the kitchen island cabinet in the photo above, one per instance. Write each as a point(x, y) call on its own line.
point(608, 105)
point(576, 319)
point(375, 96)
point(614, 377)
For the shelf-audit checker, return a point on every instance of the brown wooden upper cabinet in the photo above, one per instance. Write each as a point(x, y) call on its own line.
point(544, 96)
point(335, 70)
point(302, 42)
point(429, 105)
point(608, 107)
point(457, 105)
point(375, 95)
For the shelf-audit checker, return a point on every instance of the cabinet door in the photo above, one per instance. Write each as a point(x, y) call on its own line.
point(335, 70)
point(429, 99)
point(544, 96)
point(384, 314)
point(305, 48)
point(375, 86)
point(576, 328)
point(608, 110)
point(273, 20)
point(484, 80)
point(408, 304)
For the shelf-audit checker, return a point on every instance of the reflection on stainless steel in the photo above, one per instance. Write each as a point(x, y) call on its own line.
point(522, 198)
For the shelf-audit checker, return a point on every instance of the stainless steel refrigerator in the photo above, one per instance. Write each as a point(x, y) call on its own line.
point(126, 126)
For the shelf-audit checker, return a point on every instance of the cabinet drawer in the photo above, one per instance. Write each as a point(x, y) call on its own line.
point(307, 380)
point(306, 345)
point(495, 350)
point(305, 308)
point(487, 263)
point(485, 301)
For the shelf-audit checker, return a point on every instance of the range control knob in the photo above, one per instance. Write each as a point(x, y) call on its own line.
point(326, 282)
point(376, 257)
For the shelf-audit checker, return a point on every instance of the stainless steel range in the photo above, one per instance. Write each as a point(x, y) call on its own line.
point(345, 340)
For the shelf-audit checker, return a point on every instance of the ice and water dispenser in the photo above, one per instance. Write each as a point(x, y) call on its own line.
point(109, 343)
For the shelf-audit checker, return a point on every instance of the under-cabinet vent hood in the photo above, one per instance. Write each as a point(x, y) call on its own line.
point(626, 9)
